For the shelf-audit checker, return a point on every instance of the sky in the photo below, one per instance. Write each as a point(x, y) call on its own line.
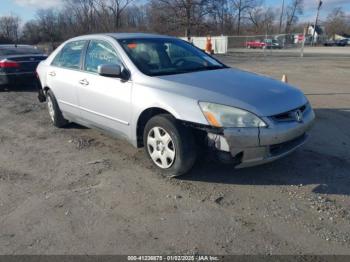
point(26, 9)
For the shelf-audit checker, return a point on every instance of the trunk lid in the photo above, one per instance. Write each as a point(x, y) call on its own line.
point(27, 63)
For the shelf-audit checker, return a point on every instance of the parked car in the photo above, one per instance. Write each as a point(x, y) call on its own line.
point(172, 98)
point(18, 64)
point(342, 42)
point(255, 44)
point(272, 44)
point(329, 43)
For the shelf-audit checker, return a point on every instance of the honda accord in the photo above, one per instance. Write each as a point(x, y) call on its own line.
point(173, 99)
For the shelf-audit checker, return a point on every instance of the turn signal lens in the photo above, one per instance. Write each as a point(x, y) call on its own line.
point(211, 119)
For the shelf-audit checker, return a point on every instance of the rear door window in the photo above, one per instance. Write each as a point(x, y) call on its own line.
point(70, 55)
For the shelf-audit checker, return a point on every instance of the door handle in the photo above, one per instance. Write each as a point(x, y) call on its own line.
point(53, 73)
point(84, 82)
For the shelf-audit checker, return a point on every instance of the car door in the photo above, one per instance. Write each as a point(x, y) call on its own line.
point(104, 101)
point(63, 77)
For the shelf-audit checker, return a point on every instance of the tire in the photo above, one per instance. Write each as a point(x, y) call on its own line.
point(54, 110)
point(169, 145)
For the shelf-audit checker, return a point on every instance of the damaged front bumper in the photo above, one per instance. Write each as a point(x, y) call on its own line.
point(254, 146)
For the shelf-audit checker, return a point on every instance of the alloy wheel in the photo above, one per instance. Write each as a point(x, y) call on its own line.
point(161, 147)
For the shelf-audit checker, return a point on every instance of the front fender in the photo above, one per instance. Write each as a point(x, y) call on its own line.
point(181, 107)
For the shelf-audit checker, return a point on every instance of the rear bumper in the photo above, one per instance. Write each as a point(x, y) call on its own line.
point(256, 146)
point(17, 78)
point(4, 80)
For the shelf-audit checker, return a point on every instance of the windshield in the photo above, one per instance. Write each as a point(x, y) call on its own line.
point(12, 50)
point(155, 57)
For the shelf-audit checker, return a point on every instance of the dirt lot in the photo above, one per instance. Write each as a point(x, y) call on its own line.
point(76, 191)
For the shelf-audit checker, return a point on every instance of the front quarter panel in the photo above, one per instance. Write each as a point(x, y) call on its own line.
point(181, 107)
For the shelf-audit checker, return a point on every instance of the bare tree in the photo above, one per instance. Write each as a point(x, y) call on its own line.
point(9, 28)
point(337, 22)
point(31, 32)
point(186, 13)
point(295, 9)
point(116, 7)
point(49, 25)
point(262, 19)
point(175, 17)
point(82, 14)
point(281, 17)
point(135, 17)
point(242, 7)
point(220, 13)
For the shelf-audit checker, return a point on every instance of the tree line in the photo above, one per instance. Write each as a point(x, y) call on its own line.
point(172, 17)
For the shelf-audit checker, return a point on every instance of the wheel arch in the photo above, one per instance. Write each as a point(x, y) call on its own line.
point(42, 93)
point(142, 120)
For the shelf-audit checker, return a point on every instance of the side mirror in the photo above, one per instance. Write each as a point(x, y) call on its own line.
point(110, 70)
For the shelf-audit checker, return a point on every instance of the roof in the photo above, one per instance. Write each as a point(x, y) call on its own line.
point(135, 35)
point(119, 36)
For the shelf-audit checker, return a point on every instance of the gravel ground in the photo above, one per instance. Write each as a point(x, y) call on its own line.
point(77, 191)
point(296, 52)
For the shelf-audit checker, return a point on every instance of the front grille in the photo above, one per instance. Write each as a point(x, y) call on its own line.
point(282, 148)
point(289, 116)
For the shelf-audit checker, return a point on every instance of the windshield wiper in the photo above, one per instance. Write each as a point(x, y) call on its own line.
point(215, 67)
point(198, 69)
point(205, 68)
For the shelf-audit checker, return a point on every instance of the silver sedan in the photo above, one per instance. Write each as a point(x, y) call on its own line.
point(171, 98)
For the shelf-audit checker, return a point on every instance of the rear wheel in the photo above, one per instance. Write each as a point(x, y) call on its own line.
point(54, 110)
point(169, 145)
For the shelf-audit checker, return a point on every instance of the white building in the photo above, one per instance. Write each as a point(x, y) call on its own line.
point(319, 33)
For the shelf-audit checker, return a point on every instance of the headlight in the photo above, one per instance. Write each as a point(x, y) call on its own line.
point(226, 116)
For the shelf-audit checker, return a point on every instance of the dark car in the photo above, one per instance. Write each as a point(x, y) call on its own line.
point(342, 42)
point(272, 44)
point(18, 64)
point(329, 43)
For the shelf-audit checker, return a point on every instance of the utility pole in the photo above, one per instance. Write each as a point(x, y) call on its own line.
point(281, 18)
point(303, 43)
point(318, 13)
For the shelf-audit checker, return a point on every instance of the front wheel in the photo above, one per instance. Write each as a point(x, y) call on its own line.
point(169, 145)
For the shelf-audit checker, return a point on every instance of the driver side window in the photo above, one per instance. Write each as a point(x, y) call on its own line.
point(100, 53)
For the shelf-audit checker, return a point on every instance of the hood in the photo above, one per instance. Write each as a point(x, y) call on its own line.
point(258, 94)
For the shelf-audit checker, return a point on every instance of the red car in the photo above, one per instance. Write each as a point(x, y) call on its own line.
point(255, 44)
